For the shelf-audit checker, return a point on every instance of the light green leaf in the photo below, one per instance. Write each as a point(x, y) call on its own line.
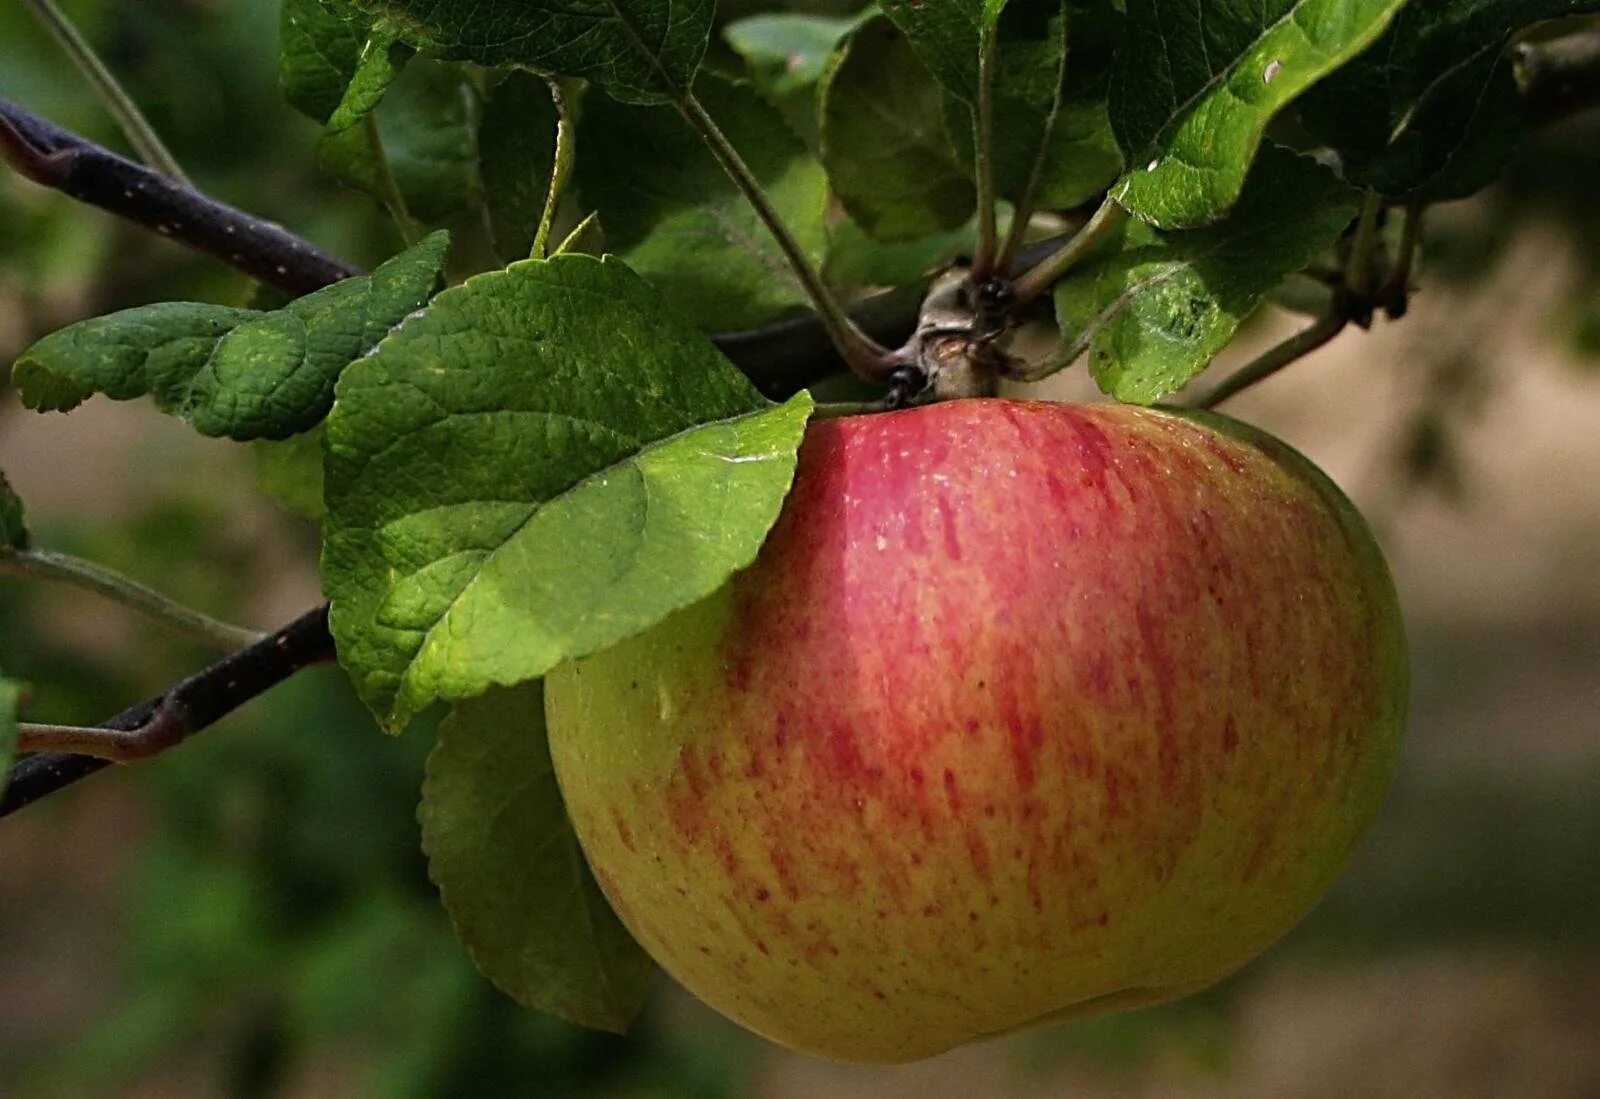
point(884, 144)
point(546, 461)
point(670, 210)
point(13, 518)
point(231, 372)
point(290, 471)
point(1431, 111)
point(785, 54)
point(1195, 84)
point(1076, 154)
point(511, 874)
point(641, 51)
point(518, 141)
point(1153, 307)
point(9, 696)
point(319, 49)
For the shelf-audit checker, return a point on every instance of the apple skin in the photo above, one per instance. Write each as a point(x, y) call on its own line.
point(1025, 711)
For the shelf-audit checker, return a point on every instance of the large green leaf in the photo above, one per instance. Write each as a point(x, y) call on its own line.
point(1153, 307)
point(1195, 84)
point(320, 43)
point(511, 874)
point(641, 51)
point(884, 142)
point(232, 372)
point(518, 143)
point(671, 211)
point(785, 54)
point(1050, 113)
point(948, 36)
point(13, 518)
point(1431, 111)
point(290, 471)
point(546, 461)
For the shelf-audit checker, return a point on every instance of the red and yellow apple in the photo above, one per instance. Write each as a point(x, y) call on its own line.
point(1025, 711)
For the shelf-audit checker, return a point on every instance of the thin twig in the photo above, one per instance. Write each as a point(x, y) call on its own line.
point(1044, 275)
point(135, 127)
point(865, 357)
point(1274, 359)
point(560, 169)
point(983, 256)
point(389, 193)
point(66, 569)
point(1395, 294)
point(170, 718)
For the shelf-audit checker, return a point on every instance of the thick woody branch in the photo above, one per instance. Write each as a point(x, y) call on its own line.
point(54, 158)
point(159, 723)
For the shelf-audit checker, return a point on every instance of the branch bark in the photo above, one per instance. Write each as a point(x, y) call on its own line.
point(171, 717)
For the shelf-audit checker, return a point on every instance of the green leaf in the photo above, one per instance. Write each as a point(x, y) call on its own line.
point(640, 51)
point(290, 471)
point(948, 36)
point(13, 518)
point(1076, 154)
point(1431, 111)
point(785, 55)
point(670, 210)
point(546, 461)
point(231, 372)
point(428, 123)
point(884, 144)
point(9, 696)
point(1195, 84)
point(855, 259)
point(346, 151)
point(1153, 307)
point(319, 49)
point(518, 140)
point(511, 874)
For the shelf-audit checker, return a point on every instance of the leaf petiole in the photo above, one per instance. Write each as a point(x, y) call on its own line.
point(1039, 279)
point(560, 170)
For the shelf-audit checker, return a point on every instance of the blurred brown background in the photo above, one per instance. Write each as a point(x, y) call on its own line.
point(249, 916)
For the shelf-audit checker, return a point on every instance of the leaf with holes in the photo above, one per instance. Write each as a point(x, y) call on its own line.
point(510, 872)
point(670, 210)
point(1431, 111)
point(1153, 307)
point(883, 139)
point(641, 51)
point(546, 461)
point(237, 373)
point(1195, 84)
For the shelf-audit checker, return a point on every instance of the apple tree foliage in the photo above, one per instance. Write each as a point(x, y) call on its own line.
point(519, 436)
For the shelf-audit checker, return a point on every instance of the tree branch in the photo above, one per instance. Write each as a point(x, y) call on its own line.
point(63, 161)
point(201, 700)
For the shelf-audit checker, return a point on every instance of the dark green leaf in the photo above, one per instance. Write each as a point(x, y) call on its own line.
point(518, 141)
point(1154, 307)
point(1431, 111)
point(13, 518)
point(546, 461)
point(319, 49)
point(884, 142)
point(290, 471)
point(511, 874)
point(1195, 84)
point(641, 51)
point(671, 211)
point(855, 259)
point(948, 36)
point(232, 372)
point(785, 54)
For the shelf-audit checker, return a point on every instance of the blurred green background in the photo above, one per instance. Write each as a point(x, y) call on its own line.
point(250, 915)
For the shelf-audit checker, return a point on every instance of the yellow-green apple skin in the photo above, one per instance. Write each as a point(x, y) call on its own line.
point(1025, 711)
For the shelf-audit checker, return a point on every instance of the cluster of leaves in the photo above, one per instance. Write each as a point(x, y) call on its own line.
point(468, 439)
